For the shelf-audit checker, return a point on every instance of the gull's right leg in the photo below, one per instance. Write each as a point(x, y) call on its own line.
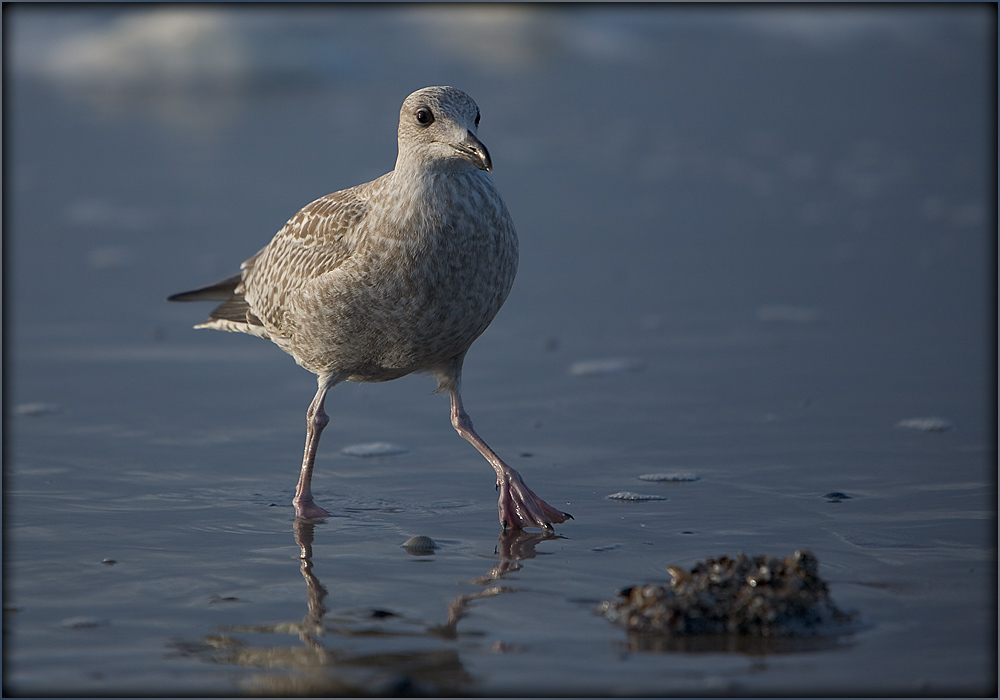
point(316, 420)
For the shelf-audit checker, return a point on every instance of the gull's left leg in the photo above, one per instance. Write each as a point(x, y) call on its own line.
point(518, 505)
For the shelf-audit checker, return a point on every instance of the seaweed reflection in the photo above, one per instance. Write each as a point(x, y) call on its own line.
point(312, 668)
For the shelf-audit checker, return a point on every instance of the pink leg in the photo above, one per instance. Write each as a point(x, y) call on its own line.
point(519, 507)
point(316, 420)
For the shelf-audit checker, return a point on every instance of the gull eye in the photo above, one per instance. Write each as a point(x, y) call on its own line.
point(424, 116)
point(477, 119)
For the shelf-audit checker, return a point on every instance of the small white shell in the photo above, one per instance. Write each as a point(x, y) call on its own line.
point(374, 449)
point(36, 409)
point(614, 365)
point(633, 496)
point(926, 425)
point(675, 477)
point(82, 622)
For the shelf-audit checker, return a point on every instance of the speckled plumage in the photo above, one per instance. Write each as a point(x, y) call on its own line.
point(398, 275)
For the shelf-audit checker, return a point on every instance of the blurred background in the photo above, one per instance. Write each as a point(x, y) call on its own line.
point(695, 160)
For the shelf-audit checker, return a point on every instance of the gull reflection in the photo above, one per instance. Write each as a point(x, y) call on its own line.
point(512, 548)
point(315, 668)
point(312, 623)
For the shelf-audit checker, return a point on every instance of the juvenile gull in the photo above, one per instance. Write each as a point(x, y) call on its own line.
point(398, 275)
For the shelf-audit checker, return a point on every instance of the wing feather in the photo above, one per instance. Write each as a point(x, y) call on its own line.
point(233, 314)
point(317, 240)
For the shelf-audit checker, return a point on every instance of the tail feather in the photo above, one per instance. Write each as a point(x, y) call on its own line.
point(233, 314)
point(220, 291)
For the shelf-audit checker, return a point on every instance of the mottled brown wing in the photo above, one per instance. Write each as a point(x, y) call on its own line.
point(318, 239)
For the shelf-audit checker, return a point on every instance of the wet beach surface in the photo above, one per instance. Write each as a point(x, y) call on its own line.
point(754, 244)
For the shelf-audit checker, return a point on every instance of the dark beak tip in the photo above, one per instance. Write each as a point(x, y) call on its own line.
point(473, 150)
point(486, 163)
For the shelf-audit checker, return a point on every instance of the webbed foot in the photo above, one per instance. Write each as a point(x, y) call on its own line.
point(519, 507)
point(308, 510)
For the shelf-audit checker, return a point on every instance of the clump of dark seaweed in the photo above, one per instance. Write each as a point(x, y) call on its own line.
point(760, 596)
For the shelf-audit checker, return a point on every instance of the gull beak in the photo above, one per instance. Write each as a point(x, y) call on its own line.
point(472, 149)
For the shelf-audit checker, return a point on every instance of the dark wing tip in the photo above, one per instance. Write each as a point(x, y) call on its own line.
point(220, 291)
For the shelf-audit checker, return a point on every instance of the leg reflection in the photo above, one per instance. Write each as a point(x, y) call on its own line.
point(341, 654)
point(312, 623)
point(513, 547)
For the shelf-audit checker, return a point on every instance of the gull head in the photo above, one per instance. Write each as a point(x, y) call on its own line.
point(437, 128)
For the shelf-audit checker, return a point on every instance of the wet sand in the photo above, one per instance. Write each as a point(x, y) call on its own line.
point(770, 241)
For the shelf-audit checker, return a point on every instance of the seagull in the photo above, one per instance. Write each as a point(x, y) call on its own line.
point(394, 276)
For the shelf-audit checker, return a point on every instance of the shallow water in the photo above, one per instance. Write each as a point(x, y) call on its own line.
point(753, 242)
